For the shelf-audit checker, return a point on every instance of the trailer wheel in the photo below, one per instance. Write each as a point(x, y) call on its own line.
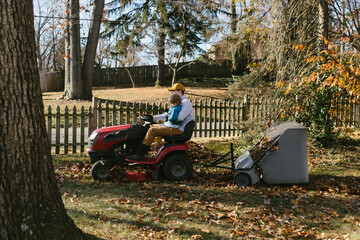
point(155, 176)
point(242, 179)
point(178, 167)
point(101, 170)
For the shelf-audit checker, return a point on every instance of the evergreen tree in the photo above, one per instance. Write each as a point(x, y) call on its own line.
point(180, 24)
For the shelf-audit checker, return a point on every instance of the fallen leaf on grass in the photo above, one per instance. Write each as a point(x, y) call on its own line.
point(299, 210)
point(120, 201)
point(191, 213)
point(196, 201)
point(197, 237)
point(237, 233)
point(139, 220)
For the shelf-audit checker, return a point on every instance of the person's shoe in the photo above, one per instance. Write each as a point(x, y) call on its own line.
point(139, 155)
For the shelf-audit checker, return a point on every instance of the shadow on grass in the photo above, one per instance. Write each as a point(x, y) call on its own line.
point(146, 225)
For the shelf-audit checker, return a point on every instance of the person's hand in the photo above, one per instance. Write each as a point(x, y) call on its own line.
point(147, 117)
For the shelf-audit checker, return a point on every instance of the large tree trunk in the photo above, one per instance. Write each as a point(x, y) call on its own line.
point(31, 205)
point(77, 88)
point(90, 51)
point(161, 57)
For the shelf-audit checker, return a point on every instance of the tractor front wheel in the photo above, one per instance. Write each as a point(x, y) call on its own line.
point(101, 170)
point(178, 167)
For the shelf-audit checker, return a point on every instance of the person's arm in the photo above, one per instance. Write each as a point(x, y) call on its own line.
point(186, 109)
point(161, 116)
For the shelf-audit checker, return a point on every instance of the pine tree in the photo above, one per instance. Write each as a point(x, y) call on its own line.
point(182, 25)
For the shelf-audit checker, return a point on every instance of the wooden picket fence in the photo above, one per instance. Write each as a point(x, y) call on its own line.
point(69, 130)
point(213, 117)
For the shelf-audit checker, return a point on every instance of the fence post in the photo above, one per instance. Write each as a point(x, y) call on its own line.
point(49, 122)
point(93, 118)
point(245, 108)
point(90, 115)
point(82, 129)
point(66, 130)
point(210, 117)
point(57, 131)
point(107, 113)
point(74, 130)
point(194, 103)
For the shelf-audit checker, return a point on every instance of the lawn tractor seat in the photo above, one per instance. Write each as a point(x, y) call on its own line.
point(188, 131)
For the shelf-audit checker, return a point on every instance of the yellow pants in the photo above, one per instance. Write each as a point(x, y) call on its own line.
point(157, 130)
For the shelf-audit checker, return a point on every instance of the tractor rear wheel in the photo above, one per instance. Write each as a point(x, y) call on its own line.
point(178, 167)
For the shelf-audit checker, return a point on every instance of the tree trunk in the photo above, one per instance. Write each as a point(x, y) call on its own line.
point(323, 23)
point(240, 56)
point(175, 70)
point(91, 46)
point(343, 24)
point(235, 54)
point(233, 17)
point(161, 58)
point(31, 205)
point(77, 88)
point(130, 76)
point(67, 86)
point(236, 63)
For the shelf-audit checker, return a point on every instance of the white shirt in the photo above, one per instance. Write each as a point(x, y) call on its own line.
point(186, 114)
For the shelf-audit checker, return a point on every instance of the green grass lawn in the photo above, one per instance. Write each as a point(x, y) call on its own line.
point(210, 206)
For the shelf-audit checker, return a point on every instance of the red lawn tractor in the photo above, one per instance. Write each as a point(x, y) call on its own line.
point(109, 146)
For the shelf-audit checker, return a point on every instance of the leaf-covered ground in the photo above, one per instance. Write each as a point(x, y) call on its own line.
point(211, 206)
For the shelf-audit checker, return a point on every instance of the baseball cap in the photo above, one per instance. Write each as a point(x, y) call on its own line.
point(177, 86)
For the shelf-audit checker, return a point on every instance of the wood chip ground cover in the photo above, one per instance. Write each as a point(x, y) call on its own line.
point(210, 206)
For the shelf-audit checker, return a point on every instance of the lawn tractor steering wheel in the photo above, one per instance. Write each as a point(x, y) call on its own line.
point(148, 118)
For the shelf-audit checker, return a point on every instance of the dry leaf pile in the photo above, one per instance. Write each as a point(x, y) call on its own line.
point(198, 153)
point(74, 171)
point(262, 147)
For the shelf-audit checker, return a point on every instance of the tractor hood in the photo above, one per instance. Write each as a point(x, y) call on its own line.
point(103, 138)
point(106, 130)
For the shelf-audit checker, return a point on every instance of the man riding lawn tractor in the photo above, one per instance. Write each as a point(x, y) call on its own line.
point(184, 116)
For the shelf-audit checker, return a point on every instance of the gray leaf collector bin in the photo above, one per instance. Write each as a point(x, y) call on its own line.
point(287, 165)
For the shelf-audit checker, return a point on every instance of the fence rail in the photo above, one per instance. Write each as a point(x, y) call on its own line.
point(69, 130)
